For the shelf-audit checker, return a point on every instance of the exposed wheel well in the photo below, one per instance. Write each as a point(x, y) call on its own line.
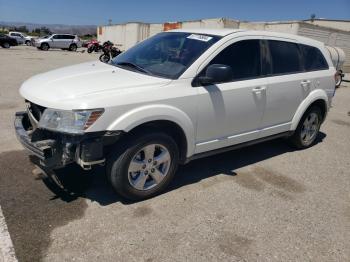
point(321, 104)
point(168, 127)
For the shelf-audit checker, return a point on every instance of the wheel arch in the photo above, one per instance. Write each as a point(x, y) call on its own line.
point(45, 43)
point(166, 118)
point(318, 98)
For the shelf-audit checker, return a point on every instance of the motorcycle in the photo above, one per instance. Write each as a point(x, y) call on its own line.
point(94, 45)
point(109, 52)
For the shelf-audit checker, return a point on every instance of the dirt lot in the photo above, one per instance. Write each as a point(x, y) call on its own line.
point(262, 203)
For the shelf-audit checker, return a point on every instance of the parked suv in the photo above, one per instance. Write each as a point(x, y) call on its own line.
point(21, 38)
point(177, 96)
point(61, 41)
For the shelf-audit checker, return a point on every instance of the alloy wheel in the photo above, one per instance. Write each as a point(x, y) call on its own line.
point(149, 166)
point(310, 128)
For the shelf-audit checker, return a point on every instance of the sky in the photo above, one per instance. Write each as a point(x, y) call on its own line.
point(98, 12)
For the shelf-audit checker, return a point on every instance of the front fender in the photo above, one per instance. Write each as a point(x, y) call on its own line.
point(312, 97)
point(145, 114)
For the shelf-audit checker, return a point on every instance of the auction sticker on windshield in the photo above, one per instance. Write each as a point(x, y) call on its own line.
point(203, 38)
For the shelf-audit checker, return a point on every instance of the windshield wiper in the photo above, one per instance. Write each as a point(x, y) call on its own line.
point(139, 68)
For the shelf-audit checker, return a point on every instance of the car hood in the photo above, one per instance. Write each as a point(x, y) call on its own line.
point(66, 88)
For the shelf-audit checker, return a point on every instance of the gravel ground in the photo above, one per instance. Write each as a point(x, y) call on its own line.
point(262, 203)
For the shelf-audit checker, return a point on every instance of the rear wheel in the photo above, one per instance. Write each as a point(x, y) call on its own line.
point(104, 58)
point(308, 128)
point(145, 167)
point(73, 47)
point(6, 45)
point(44, 47)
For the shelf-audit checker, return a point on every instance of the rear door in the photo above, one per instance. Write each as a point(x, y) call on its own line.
point(287, 84)
point(317, 69)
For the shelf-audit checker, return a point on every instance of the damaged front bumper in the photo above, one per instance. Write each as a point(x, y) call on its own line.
point(55, 149)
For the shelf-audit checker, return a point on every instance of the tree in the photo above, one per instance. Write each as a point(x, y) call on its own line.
point(313, 16)
point(22, 29)
point(42, 31)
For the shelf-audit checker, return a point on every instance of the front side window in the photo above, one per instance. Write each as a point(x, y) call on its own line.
point(313, 58)
point(243, 57)
point(166, 54)
point(285, 57)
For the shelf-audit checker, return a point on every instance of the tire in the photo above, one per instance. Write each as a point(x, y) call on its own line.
point(104, 58)
point(28, 43)
point(127, 183)
point(339, 79)
point(302, 137)
point(73, 47)
point(90, 49)
point(44, 47)
point(6, 45)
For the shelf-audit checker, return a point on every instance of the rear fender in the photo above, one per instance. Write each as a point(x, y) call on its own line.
point(318, 94)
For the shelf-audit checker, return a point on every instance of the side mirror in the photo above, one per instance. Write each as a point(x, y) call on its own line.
point(216, 73)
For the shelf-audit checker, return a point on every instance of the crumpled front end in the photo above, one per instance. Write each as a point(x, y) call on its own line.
point(56, 149)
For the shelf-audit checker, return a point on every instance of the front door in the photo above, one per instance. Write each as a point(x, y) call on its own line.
point(230, 113)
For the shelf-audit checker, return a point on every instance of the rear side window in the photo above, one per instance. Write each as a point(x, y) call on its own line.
point(68, 36)
point(285, 57)
point(243, 57)
point(313, 58)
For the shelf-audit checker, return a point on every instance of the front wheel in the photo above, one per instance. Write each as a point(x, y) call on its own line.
point(90, 49)
point(28, 43)
point(45, 47)
point(145, 166)
point(308, 128)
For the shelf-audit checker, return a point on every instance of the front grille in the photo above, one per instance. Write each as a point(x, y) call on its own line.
point(35, 110)
point(34, 114)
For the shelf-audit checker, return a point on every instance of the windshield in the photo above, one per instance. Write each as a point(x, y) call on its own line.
point(166, 54)
point(46, 36)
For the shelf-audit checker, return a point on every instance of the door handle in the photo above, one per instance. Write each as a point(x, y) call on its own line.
point(305, 83)
point(259, 89)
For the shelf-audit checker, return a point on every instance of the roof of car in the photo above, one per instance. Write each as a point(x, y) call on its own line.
point(226, 31)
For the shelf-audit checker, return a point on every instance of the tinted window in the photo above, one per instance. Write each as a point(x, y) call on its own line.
point(67, 37)
point(285, 57)
point(56, 37)
point(313, 58)
point(243, 57)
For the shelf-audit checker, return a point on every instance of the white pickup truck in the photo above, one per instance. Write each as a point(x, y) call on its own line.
point(21, 38)
point(177, 96)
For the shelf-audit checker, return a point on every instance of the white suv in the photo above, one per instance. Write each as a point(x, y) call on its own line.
point(61, 41)
point(174, 97)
